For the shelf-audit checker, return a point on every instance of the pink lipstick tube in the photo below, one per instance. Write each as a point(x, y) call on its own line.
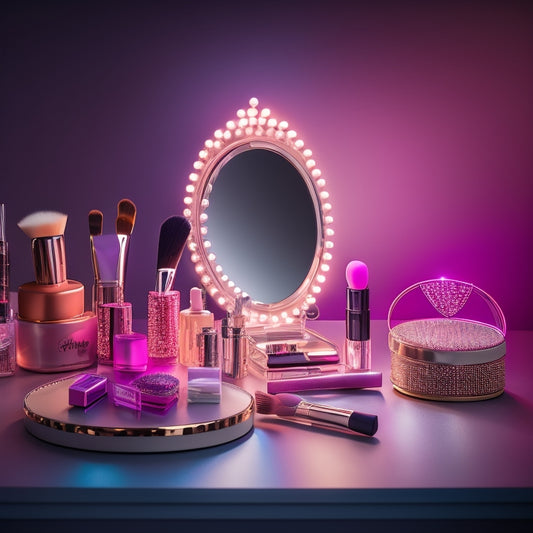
point(163, 326)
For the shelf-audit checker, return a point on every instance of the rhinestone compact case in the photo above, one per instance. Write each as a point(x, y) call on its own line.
point(448, 357)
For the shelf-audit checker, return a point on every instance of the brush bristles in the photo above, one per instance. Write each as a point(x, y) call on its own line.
point(126, 214)
point(270, 404)
point(96, 222)
point(124, 225)
point(172, 238)
point(43, 224)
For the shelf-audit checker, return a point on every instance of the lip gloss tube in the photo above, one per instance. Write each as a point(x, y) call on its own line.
point(357, 351)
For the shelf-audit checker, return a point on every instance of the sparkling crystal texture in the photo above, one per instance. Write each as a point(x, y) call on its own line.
point(447, 296)
point(163, 325)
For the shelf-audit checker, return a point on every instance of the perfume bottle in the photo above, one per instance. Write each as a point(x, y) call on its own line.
point(192, 321)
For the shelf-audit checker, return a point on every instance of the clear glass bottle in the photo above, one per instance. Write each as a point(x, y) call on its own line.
point(192, 321)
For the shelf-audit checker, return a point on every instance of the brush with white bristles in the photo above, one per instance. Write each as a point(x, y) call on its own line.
point(46, 230)
point(291, 406)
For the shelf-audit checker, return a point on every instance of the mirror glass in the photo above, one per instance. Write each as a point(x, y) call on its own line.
point(262, 222)
point(260, 219)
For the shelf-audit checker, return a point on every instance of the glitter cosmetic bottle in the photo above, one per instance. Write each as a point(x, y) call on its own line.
point(113, 319)
point(163, 326)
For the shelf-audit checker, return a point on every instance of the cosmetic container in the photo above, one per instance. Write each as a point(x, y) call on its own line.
point(235, 347)
point(130, 352)
point(7, 323)
point(208, 345)
point(87, 389)
point(53, 332)
point(192, 320)
point(204, 385)
point(163, 326)
point(156, 392)
point(113, 319)
point(451, 356)
point(7, 347)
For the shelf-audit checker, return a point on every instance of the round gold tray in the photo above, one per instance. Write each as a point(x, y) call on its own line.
point(105, 427)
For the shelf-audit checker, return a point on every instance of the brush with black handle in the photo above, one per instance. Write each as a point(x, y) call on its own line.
point(291, 406)
point(172, 238)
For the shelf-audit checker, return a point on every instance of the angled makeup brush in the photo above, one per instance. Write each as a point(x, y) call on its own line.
point(126, 214)
point(172, 238)
point(292, 407)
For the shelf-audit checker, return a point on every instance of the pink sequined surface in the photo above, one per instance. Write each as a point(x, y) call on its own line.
point(163, 325)
point(438, 381)
point(447, 334)
point(426, 379)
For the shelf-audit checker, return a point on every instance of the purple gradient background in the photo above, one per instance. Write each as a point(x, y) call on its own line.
point(420, 115)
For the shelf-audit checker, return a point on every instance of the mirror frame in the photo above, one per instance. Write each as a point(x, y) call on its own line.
point(256, 128)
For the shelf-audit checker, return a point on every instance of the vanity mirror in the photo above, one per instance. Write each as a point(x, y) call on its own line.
point(261, 234)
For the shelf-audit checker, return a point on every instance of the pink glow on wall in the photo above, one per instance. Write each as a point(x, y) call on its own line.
point(419, 114)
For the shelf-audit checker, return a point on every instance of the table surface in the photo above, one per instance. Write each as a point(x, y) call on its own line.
point(462, 460)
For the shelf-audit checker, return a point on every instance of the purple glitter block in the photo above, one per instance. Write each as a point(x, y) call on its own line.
point(87, 389)
point(159, 390)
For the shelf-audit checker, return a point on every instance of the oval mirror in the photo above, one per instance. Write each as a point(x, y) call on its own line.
point(260, 219)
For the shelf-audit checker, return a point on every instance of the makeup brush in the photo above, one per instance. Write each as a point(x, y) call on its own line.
point(292, 407)
point(126, 214)
point(96, 223)
point(46, 230)
point(172, 238)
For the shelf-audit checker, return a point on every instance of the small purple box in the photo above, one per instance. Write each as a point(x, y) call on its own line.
point(87, 389)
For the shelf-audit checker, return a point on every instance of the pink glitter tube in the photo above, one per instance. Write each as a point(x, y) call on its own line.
point(113, 319)
point(163, 326)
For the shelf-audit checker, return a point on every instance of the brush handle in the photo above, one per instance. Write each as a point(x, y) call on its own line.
point(360, 422)
point(49, 260)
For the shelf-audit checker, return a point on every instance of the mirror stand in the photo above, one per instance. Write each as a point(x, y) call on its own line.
point(261, 230)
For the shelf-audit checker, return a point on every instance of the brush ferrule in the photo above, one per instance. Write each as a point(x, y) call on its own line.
point(324, 413)
point(123, 242)
point(164, 279)
point(49, 260)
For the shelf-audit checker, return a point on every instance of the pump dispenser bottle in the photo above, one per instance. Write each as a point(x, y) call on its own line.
point(192, 321)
